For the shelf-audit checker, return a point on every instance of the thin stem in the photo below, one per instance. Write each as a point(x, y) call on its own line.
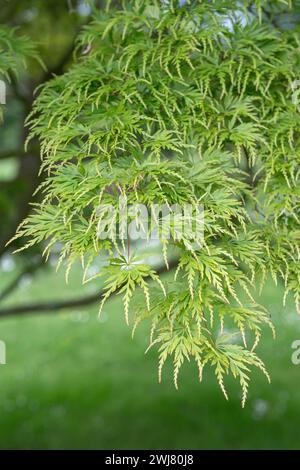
point(128, 247)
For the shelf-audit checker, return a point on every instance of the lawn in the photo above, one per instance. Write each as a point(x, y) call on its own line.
point(72, 381)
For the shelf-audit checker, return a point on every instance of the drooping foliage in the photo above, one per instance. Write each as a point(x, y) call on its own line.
point(180, 102)
point(14, 51)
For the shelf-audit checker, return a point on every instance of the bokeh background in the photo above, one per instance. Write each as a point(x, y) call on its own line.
point(75, 381)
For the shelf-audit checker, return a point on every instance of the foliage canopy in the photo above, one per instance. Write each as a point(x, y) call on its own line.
point(180, 102)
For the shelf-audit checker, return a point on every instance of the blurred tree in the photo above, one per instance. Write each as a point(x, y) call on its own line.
point(52, 27)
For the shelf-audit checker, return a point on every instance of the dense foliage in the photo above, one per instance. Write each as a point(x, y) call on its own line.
point(180, 103)
point(14, 50)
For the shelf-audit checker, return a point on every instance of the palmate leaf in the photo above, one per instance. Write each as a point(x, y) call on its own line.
point(14, 51)
point(125, 276)
point(180, 102)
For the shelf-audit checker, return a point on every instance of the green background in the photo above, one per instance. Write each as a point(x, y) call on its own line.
point(72, 381)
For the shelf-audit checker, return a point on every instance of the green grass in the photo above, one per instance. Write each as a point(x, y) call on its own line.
point(72, 381)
